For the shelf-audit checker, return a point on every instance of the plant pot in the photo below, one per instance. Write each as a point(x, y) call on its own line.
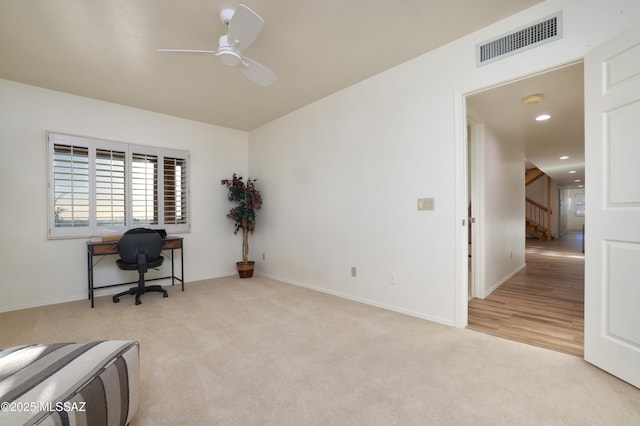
point(245, 270)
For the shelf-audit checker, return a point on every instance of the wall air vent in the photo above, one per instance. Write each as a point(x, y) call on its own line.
point(539, 33)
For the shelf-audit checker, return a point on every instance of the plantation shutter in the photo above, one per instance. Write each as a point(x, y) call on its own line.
point(110, 187)
point(70, 186)
point(99, 187)
point(144, 189)
point(175, 191)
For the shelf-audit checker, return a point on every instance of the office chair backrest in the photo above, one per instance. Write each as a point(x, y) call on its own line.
point(140, 241)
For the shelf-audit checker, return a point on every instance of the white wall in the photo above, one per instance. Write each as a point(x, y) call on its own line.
point(341, 176)
point(501, 215)
point(38, 271)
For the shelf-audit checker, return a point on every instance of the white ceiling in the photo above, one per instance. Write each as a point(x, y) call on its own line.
point(562, 92)
point(106, 49)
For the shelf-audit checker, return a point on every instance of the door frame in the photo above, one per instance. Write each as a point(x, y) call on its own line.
point(476, 195)
point(461, 120)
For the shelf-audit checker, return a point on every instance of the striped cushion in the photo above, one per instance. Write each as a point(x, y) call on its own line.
point(69, 383)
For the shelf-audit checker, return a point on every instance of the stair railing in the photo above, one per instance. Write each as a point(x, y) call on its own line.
point(538, 216)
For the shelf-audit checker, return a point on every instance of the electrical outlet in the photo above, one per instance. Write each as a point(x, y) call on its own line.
point(353, 271)
point(392, 278)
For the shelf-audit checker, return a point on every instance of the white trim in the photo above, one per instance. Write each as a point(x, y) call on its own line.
point(478, 209)
point(359, 299)
point(461, 198)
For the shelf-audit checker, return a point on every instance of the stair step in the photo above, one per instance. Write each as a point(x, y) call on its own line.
point(537, 230)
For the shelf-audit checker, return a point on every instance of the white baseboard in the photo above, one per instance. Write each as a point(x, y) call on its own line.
point(504, 280)
point(360, 300)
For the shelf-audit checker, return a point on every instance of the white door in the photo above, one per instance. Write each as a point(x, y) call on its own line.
point(612, 252)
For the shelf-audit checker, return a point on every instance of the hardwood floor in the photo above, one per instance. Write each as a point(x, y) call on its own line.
point(543, 304)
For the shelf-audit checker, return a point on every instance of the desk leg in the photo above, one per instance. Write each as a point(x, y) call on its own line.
point(182, 265)
point(173, 275)
point(90, 276)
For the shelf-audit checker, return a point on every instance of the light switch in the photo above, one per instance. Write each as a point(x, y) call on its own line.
point(426, 203)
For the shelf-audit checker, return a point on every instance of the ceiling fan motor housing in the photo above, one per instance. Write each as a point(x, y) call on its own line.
point(227, 54)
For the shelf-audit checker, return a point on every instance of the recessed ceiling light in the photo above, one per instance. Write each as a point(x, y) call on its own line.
point(577, 180)
point(572, 171)
point(564, 157)
point(543, 117)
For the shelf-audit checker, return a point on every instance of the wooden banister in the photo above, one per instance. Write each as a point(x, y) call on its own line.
point(538, 219)
point(536, 204)
point(532, 174)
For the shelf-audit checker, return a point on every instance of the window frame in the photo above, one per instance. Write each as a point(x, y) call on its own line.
point(131, 151)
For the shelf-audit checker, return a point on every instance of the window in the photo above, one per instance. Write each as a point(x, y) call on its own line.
point(144, 189)
point(175, 191)
point(579, 209)
point(109, 187)
point(99, 187)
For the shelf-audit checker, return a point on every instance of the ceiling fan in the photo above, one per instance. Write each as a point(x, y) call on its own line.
point(244, 26)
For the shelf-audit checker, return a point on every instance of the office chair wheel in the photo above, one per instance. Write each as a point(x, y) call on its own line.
point(165, 295)
point(116, 299)
point(138, 302)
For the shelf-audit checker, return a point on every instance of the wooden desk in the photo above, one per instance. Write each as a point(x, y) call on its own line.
point(108, 248)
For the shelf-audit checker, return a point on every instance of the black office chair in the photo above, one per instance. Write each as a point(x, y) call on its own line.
point(140, 249)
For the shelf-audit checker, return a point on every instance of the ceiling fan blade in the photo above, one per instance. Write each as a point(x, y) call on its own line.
point(202, 52)
point(244, 27)
point(257, 73)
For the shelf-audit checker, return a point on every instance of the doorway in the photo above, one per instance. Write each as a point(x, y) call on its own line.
point(503, 131)
point(543, 304)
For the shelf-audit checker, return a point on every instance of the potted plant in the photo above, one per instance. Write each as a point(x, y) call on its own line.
point(247, 199)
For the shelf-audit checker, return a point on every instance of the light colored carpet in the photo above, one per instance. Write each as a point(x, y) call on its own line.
point(259, 352)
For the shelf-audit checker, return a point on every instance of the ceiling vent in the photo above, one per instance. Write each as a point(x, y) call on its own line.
point(537, 34)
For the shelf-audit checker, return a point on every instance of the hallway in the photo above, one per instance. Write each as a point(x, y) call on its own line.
point(543, 304)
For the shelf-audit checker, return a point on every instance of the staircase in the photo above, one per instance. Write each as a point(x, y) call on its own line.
point(537, 220)
point(538, 217)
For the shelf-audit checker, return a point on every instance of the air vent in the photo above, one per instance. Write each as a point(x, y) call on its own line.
point(544, 31)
